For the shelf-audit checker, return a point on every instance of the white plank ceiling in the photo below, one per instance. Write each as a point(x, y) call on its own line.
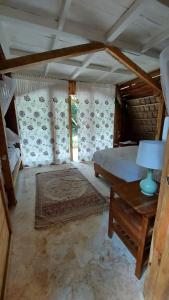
point(139, 28)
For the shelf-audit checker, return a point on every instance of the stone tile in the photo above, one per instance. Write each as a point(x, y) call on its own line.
point(75, 262)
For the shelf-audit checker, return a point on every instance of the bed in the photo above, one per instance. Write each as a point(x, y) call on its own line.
point(14, 153)
point(15, 162)
point(8, 135)
point(118, 164)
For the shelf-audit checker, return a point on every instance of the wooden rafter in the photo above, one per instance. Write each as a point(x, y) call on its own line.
point(16, 64)
point(135, 81)
point(30, 20)
point(116, 53)
point(124, 20)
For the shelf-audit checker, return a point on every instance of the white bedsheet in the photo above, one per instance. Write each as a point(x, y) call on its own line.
point(14, 155)
point(120, 162)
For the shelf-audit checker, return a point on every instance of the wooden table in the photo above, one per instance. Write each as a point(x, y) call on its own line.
point(131, 216)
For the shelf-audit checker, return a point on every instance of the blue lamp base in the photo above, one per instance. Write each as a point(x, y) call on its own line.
point(148, 185)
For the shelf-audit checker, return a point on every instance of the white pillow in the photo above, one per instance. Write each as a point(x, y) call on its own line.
point(12, 138)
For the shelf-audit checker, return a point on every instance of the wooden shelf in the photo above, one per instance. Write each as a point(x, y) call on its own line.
point(131, 216)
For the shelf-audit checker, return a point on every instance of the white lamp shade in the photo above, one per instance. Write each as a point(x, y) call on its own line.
point(150, 154)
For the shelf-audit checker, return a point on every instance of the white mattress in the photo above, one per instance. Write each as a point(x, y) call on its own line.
point(14, 155)
point(120, 162)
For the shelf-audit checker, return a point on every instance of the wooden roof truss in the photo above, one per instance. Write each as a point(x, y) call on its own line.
point(16, 64)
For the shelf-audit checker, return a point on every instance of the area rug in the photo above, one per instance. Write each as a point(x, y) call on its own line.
point(65, 195)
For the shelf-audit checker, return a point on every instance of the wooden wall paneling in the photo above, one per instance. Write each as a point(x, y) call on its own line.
point(9, 186)
point(5, 238)
point(137, 88)
point(144, 105)
point(155, 74)
point(4, 235)
point(157, 280)
point(142, 118)
point(116, 53)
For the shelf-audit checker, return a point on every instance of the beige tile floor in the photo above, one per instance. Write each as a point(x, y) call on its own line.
point(75, 262)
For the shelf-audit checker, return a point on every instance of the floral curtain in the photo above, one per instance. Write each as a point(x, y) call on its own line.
point(42, 114)
point(95, 118)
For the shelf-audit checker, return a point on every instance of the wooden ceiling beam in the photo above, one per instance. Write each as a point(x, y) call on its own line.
point(67, 62)
point(123, 59)
point(125, 20)
point(16, 64)
point(73, 30)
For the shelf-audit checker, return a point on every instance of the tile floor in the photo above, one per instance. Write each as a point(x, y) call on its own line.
point(75, 262)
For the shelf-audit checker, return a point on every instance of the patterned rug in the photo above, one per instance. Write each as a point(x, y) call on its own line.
point(63, 196)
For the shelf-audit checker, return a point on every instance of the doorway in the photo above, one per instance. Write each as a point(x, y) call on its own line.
point(74, 127)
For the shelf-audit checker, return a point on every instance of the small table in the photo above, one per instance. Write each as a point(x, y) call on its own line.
point(131, 216)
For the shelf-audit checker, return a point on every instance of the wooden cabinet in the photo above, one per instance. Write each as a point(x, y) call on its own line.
point(5, 234)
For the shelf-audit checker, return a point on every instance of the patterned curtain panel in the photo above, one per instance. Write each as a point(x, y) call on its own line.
point(42, 114)
point(95, 118)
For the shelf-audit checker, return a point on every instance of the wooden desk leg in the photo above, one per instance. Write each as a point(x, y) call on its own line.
point(141, 247)
point(110, 225)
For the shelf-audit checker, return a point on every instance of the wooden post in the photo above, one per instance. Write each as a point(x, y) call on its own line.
point(9, 187)
point(160, 118)
point(157, 281)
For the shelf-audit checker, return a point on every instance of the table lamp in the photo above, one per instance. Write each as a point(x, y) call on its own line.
point(150, 155)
